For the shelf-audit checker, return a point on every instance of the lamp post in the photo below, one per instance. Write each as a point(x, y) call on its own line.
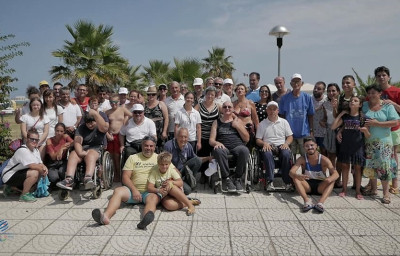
point(279, 32)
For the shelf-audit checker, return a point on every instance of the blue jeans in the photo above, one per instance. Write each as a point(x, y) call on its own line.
point(284, 160)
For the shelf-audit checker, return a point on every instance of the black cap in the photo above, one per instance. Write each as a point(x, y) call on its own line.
point(162, 86)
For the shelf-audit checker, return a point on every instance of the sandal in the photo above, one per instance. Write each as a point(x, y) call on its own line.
point(386, 200)
point(194, 201)
point(369, 193)
point(342, 194)
point(359, 197)
point(393, 190)
point(190, 212)
point(319, 207)
point(307, 206)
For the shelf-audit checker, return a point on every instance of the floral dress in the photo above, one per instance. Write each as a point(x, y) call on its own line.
point(380, 161)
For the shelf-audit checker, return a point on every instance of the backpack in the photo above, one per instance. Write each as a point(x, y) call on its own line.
point(3, 165)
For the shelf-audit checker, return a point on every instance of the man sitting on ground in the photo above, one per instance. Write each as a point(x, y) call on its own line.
point(313, 179)
point(134, 190)
point(185, 159)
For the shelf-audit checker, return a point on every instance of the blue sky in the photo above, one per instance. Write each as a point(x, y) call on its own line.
point(327, 38)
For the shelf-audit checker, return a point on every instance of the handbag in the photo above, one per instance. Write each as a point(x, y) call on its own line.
point(17, 143)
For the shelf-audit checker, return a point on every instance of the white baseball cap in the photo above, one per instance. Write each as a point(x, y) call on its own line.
point(137, 107)
point(228, 81)
point(296, 75)
point(197, 81)
point(123, 90)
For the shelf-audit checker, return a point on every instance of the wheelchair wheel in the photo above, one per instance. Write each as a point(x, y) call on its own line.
point(63, 194)
point(97, 192)
point(256, 166)
point(108, 170)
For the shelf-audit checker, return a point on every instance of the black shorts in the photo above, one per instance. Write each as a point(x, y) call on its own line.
point(18, 179)
point(314, 186)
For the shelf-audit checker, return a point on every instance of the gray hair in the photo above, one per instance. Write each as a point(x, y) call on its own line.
point(211, 89)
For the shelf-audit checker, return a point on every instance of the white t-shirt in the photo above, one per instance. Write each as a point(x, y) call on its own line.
point(274, 133)
point(71, 114)
point(104, 106)
point(51, 114)
point(30, 121)
point(23, 157)
point(222, 99)
point(173, 107)
point(133, 132)
point(189, 121)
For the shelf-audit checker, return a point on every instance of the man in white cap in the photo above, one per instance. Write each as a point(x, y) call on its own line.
point(131, 135)
point(274, 137)
point(198, 90)
point(229, 90)
point(123, 93)
point(298, 109)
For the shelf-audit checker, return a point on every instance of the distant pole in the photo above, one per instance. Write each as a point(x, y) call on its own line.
point(279, 32)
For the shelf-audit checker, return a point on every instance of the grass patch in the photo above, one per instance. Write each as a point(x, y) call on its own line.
point(15, 128)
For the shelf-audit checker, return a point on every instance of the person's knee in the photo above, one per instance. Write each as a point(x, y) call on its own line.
point(152, 199)
point(33, 174)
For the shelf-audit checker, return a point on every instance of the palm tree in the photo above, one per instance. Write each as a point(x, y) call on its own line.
point(134, 78)
point(186, 70)
point(216, 64)
point(90, 56)
point(156, 73)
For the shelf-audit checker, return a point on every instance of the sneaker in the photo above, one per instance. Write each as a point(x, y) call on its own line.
point(89, 184)
point(238, 185)
point(28, 198)
point(289, 187)
point(270, 186)
point(230, 186)
point(147, 219)
point(66, 184)
point(7, 191)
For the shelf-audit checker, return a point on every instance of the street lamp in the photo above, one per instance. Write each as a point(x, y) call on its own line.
point(279, 32)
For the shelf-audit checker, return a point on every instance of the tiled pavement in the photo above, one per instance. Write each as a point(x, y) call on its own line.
point(248, 224)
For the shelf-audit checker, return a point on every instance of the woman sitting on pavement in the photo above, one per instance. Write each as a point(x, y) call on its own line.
point(24, 168)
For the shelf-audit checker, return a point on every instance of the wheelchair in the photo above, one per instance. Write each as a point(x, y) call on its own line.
point(216, 179)
point(261, 176)
point(103, 176)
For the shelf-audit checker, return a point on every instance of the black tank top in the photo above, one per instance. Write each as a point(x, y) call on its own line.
point(228, 135)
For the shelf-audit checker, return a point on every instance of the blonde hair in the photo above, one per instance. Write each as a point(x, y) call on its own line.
point(164, 157)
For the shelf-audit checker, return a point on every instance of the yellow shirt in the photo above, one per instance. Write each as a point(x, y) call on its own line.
point(140, 167)
point(157, 178)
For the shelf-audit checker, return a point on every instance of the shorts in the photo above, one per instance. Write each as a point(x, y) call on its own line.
point(320, 142)
point(144, 196)
point(114, 146)
point(314, 186)
point(396, 137)
point(18, 179)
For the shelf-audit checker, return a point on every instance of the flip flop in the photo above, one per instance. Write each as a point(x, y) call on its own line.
point(386, 200)
point(342, 194)
point(319, 207)
point(194, 201)
point(190, 212)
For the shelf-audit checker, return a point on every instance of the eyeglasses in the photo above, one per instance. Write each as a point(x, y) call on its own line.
point(114, 101)
point(263, 91)
point(151, 94)
point(33, 140)
point(217, 83)
point(137, 112)
point(228, 107)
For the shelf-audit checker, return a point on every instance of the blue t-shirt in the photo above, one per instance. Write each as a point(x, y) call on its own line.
point(253, 95)
point(295, 110)
point(179, 157)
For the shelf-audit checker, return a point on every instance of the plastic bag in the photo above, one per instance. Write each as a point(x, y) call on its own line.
point(42, 187)
point(212, 168)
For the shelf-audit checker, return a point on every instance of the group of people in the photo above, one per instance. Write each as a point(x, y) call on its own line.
point(167, 141)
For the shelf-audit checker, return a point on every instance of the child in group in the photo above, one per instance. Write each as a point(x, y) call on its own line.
point(352, 149)
point(165, 181)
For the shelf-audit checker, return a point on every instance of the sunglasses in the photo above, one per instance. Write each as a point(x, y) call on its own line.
point(151, 94)
point(227, 107)
point(263, 91)
point(137, 112)
point(33, 140)
point(217, 83)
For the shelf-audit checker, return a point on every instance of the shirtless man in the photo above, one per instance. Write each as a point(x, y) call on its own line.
point(117, 116)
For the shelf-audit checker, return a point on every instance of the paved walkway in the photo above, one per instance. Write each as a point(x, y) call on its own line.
point(249, 224)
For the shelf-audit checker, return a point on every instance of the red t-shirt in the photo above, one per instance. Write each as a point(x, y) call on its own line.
point(392, 93)
point(84, 104)
point(55, 147)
